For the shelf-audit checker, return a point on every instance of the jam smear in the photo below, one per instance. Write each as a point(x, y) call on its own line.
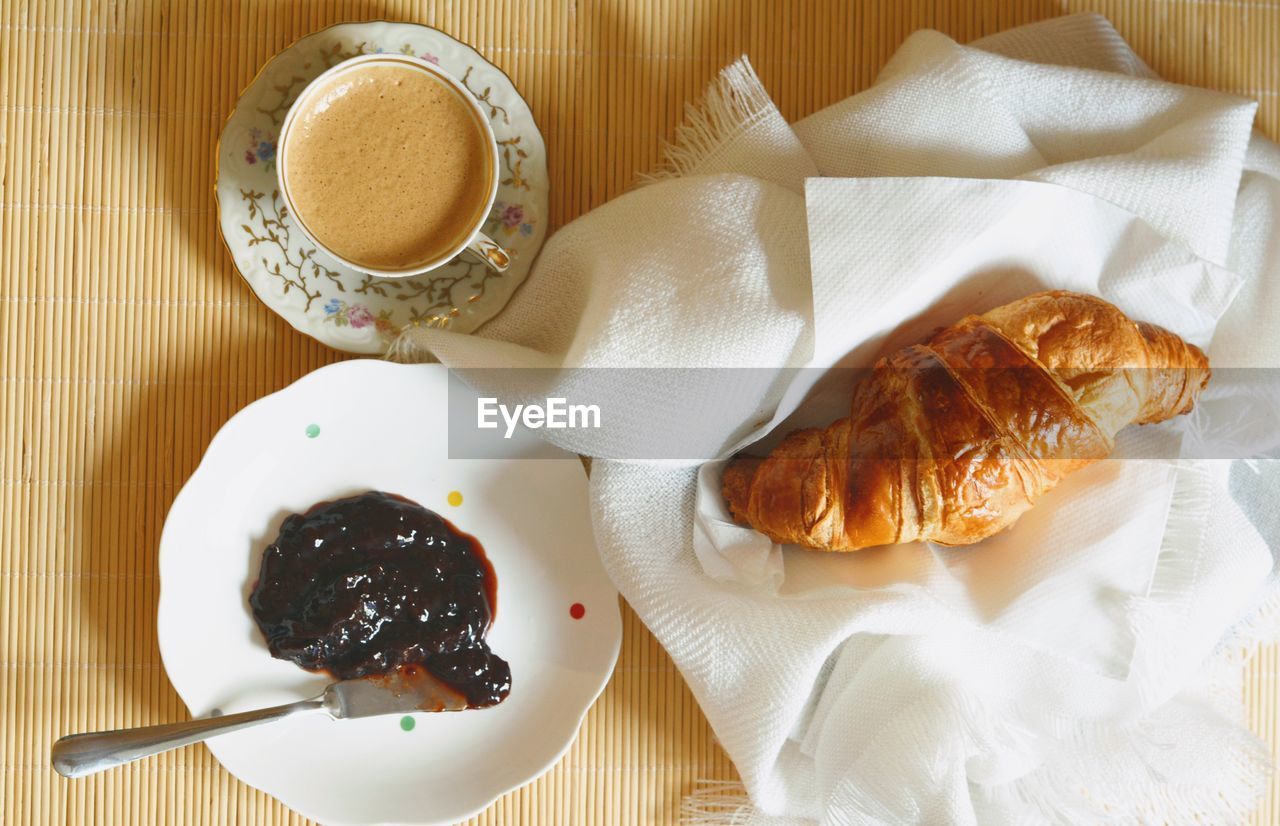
point(373, 583)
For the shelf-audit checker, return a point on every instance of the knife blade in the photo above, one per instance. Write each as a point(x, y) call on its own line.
point(409, 688)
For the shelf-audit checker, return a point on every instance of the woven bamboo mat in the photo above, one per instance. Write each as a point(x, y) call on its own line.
point(127, 339)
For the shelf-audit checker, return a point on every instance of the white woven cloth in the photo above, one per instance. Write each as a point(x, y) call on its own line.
point(1083, 667)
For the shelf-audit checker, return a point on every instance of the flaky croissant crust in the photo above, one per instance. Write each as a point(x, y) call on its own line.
point(952, 440)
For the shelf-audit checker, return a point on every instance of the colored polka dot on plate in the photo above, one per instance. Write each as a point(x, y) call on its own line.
point(407, 723)
point(577, 610)
point(312, 431)
point(455, 498)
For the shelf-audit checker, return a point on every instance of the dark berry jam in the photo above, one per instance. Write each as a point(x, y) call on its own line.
point(369, 584)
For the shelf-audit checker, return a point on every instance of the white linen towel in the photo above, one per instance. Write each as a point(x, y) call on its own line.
point(1085, 665)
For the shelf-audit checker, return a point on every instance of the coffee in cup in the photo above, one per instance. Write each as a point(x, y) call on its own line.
point(389, 165)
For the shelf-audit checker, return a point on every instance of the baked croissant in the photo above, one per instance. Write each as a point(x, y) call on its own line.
point(951, 441)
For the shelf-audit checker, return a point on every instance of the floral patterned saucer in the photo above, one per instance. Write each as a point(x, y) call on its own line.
point(343, 308)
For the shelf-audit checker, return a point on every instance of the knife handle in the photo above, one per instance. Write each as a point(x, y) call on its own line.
point(77, 755)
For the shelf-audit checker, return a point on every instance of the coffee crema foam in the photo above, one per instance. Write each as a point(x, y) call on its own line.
point(387, 167)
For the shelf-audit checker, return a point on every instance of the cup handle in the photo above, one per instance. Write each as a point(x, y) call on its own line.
point(490, 252)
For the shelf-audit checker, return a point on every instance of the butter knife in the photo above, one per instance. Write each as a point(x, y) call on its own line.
point(409, 689)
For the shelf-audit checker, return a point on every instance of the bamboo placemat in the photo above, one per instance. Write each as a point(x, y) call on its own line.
point(128, 338)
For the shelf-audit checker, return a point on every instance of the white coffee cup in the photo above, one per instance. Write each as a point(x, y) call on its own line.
point(473, 240)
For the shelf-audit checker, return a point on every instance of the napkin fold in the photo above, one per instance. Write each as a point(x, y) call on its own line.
point(1085, 665)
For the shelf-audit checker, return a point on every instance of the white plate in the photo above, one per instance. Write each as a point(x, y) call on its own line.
point(349, 427)
point(343, 308)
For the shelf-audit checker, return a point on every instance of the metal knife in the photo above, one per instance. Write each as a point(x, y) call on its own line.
point(409, 689)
